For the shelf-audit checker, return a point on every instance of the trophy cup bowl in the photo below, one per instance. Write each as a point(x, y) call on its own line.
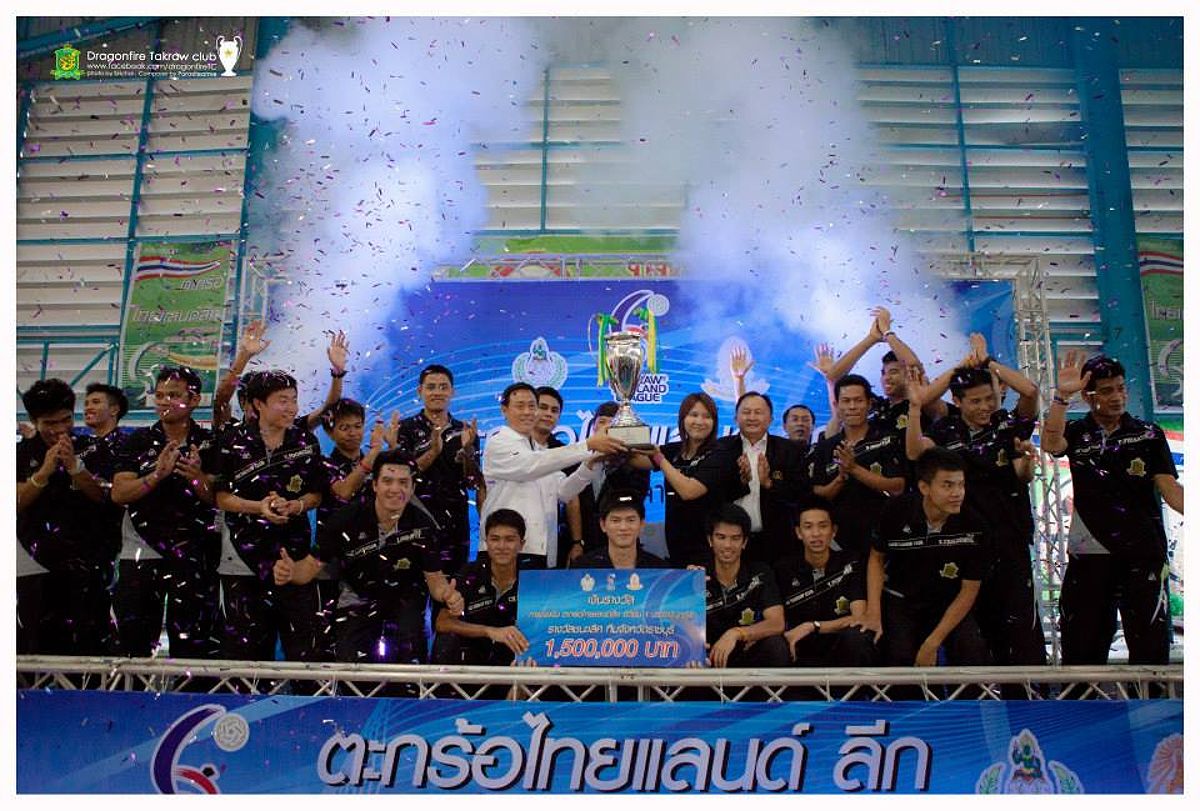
point(228, 51)
point(623, 357)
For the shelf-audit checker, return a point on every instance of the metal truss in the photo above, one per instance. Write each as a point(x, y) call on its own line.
point(535, 684)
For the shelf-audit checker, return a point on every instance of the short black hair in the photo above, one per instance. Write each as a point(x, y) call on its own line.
point(766, 399)
point(621, 500)
point(344, 407)
point(435, 369)
point(264, 384)
point(608, 408)
point(889, 357)
point(115, 397)
point(185, 374)
point(852, 380)
point(968, 377)
point(792, 408)
point(548, 391)
point(48, 396)
point(505, 517)
point(1102, 367)
point(393, 456)
point(814, 503)
point(727, 513)
point(513, 388)
point(936, 459)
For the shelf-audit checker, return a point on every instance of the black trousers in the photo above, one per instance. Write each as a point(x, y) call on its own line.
point(848, 647)
point(1006, 611)
point(191, 598)
point(65, 613)
point(906, 624)
point(770, 651)
point(255, 614)
point(1095, 588)
point(366, 635)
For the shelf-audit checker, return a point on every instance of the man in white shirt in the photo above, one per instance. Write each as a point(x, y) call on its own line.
point(522, 476)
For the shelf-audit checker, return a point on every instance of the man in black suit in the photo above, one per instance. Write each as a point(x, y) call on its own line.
point(772, 477)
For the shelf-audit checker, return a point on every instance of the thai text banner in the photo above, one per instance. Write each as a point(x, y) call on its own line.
point(98, 742)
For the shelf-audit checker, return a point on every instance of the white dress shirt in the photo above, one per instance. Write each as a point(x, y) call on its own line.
point(752, 501)
point(523, 476)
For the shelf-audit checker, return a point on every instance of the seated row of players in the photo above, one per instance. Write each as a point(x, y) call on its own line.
point(266, 475)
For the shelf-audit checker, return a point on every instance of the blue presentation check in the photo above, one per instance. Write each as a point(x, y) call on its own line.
point(612, 617)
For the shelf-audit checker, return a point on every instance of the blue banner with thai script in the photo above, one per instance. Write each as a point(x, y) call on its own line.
point(93, 742)
point(612, 617)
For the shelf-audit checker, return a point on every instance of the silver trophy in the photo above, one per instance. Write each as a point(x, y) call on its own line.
point(623, 356)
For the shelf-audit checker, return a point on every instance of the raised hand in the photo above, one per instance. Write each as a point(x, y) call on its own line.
point(470, 433)
point(844, 453)
point(740, 362)
point(66, 453)
point(764, 471)
point(882, 322)
point(253, 342)
point(1071, 377)
point(979, 350)
point(168, 458)
point(338, 352)
point(917, 385)
point(188, 464)
point(822, 359)
point(377, 432)
point(744, 468)
point(391, 434)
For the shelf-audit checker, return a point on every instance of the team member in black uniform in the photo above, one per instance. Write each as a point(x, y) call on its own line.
point(1120, 465)
point(857, 468)
point(622, 516)
point(824, 596)
point(444, 448)
point(62, 567)
point(171, 514)
point(930, 548)
point(990, 441)
point(770, 473)
point(743, 614)
point(269, 475)
point(694, 471)
point(486, 633)
point(627, 472)
point(103, 408)
point(388, 566)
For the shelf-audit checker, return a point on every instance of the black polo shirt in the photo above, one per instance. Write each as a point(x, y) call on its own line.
point(388, 572)
point(246, 469)
point(484, 605)
point(1113, 479)
point(743, 603)
point(924, 567)
point(892, 416)
point(820, 594)
point(857, 506)
point(598, 559)
point(994, 490)
point(100, 458)
point(172, 518)
point(442, 487)
point(58, 528)
point(684, 529)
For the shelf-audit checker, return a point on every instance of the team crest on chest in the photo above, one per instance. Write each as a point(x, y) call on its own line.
point(877, 468)
point(842, 606)
point(294, 484)
point(403, 564)
point(747, 617)
point(1001, 458)
point(949, 571)
point(902, 421)
point(1137, 467)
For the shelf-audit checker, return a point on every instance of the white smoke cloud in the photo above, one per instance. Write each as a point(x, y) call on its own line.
point(757, 120)
point(374, 181)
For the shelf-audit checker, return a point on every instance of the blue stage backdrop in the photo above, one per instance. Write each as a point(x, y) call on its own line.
point(546, 333)
point(77, 742)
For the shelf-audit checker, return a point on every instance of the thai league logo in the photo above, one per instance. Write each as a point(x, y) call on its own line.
point(230, 734)
point(1028, 772)
point(228, 51)
point(66, 63)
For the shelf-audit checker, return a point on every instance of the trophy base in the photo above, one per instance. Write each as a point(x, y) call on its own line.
point(636, 437)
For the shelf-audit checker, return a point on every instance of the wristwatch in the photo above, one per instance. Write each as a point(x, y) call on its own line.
point(78, 467)
point(817, 626)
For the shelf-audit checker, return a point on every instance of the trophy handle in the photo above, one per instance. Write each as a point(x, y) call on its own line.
point(220, 41)
point(238, 40)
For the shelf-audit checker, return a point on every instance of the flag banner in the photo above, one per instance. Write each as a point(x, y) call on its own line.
point(1160, 262)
